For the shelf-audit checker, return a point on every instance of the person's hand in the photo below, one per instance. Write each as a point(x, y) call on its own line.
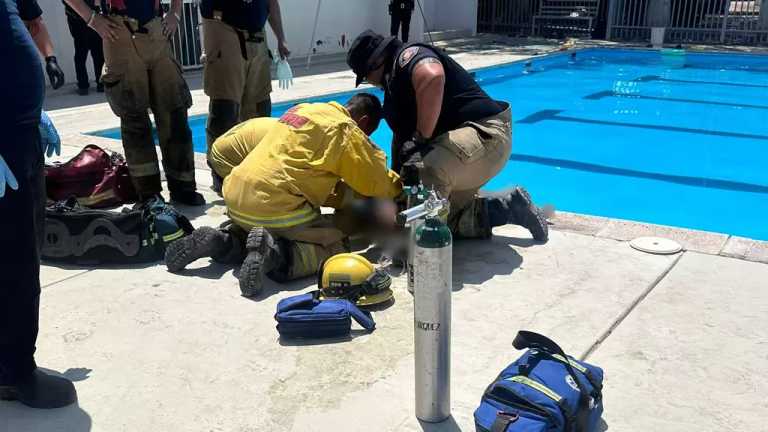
point(170, 24)
point(55, 74)
point(6, 177)
point(105, 27)
point(49, 137)
point(284, 74)
point(282, 48)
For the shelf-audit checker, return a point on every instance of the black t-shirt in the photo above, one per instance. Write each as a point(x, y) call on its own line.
point(250, 15)
point(21, 83)
point(463, 99)
point(142, 11)
point(71, 13)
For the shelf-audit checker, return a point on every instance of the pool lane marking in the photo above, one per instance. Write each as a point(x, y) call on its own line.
point(626, 172)
point(609, 93)
point(649, 78)
point(554, 115)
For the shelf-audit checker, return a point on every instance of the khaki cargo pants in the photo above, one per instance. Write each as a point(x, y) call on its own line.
point(140, 73)
point(237, 69)
point(462, 161)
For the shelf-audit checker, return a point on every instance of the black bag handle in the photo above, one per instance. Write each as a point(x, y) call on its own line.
point(530, 340)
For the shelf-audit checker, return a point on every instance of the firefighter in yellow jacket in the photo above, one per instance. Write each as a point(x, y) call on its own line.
point(231, 149)
point(316, 155)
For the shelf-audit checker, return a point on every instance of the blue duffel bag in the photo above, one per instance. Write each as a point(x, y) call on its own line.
point(543, 391)
point(305, 316)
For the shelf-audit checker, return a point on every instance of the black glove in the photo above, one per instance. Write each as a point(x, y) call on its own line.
point(55, 74)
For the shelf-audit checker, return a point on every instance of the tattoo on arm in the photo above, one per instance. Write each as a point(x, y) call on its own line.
point(427, 60)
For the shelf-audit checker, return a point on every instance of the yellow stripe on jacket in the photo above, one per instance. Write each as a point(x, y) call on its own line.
point(292, 172)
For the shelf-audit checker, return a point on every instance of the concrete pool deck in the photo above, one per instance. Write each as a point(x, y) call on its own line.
point(681, 337)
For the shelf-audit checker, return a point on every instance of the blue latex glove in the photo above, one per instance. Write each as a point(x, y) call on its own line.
point(49, 138)
point(6, 176)
point(284, 74)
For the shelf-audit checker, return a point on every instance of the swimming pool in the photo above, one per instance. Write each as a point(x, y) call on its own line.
point(675, 138)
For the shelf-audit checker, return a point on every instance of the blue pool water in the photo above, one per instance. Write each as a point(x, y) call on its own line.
point(669, 139)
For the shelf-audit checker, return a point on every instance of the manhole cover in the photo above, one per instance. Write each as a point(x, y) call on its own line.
point(656, 245)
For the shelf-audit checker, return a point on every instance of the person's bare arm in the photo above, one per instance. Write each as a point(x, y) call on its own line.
point(39, 33)
point(428, 83)
point(104, 27)
point(172, 18)
point(276, 22)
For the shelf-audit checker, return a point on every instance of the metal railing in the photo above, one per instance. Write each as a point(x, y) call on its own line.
point(742, 22)
point(186, 43)
point(690, 21)
point(512, 17)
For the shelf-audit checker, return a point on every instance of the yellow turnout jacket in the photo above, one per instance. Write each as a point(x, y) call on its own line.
point(230, 149)
point(293, 171)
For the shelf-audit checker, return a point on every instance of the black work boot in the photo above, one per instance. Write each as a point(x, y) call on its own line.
point(264, 255)
point(217, 183)
point(187, 197)
point(518, 208)
point(203, 242)
point(40, 390)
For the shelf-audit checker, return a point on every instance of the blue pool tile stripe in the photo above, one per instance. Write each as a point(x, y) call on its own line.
point(649, 78)
point(604, 169)
point(554, 115)
point(609, 93)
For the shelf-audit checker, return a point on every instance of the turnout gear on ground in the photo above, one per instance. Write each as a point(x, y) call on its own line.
point(352, 277)
point(285, 180)
point(231, 148)
point(140, 74)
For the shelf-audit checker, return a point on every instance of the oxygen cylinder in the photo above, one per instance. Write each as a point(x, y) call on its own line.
point(432, 263)
point(416, 197)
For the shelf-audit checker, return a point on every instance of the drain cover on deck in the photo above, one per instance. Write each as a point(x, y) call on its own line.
point(656, 245)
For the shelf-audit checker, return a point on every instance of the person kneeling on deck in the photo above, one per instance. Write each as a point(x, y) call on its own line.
point(231, 148)
point(448, 133)
point(316, 155)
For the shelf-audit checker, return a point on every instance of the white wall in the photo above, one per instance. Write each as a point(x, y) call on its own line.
point(451, 14)
point(337, 18)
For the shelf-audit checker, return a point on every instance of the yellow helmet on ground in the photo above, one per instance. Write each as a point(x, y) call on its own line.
point(354, 278)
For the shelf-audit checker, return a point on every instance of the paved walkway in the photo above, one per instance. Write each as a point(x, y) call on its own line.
point(681, 338)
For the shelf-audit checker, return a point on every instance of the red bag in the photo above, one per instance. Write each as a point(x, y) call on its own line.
point(94, 177)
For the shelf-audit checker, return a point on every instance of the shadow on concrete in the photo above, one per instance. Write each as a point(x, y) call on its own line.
point(77, 374)
point(448, 425)
point(213, 271)
point(194, 212)
point(17, 417)
point(99, 266)
point(602, 426)
point(288, 288)
point(477, 261)
point(354, 333)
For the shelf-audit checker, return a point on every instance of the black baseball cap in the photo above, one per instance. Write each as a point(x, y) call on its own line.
point(366, 48)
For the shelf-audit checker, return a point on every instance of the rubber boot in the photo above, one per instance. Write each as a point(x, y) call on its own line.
point(517, 208)
point(40, 390)
point(187, 197)
point(264, 255)
point(223, 115)
point(203, 242)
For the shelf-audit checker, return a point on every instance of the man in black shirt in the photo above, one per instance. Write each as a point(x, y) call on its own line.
point(86, 40)
point(448, 133)
point(401, 11)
